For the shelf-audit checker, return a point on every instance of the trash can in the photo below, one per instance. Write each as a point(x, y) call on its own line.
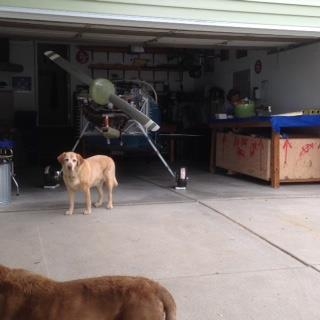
point(5, 182)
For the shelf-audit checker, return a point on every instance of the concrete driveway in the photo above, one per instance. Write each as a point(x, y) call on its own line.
point(227, 247)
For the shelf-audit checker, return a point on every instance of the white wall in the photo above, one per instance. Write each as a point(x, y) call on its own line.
point(24, 53)
point(293, 76)
point(149, 76)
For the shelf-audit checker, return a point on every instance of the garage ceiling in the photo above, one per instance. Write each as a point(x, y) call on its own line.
point(117, 36)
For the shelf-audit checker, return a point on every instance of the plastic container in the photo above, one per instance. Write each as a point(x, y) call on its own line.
point(5, 182)
point(245, 110)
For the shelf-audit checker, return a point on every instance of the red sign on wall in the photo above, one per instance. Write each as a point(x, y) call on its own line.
point(82, 56)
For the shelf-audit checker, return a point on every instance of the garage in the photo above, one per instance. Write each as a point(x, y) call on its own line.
point(228, 228)
point(190, 64)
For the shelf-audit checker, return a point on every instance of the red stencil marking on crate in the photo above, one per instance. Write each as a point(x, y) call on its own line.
point(224, 141)
point(236, 142)
point(261, 147)
point(244, 141)
point(306, 148)
point(286, 145)
point(241, 153)
point(253, 148)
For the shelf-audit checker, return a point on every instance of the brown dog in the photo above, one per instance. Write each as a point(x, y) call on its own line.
point(83, 174)
point(28, 296)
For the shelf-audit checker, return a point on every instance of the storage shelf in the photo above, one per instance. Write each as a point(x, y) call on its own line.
point(127, 67)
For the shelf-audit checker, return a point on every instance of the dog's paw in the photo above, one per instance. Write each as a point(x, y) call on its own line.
point(109, 206)
point(97, 204)
point(68, 213)
point(87, 211)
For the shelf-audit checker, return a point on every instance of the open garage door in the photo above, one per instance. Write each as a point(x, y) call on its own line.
point(186, 50)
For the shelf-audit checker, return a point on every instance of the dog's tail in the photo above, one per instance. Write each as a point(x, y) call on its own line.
point(115, 182)
point(168, 303)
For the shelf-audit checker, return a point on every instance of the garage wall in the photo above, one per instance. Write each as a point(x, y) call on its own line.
point(289, 80)
point(171, 78)
point(22, 52)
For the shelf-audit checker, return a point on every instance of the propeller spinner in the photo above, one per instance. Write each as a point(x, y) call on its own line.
point(102, 91)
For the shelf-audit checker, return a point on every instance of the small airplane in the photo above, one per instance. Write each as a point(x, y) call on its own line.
point(120, 118)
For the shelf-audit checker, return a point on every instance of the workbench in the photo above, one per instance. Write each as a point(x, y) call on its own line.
point(276, 127)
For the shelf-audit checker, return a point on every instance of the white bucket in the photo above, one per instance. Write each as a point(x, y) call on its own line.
point(5, 183)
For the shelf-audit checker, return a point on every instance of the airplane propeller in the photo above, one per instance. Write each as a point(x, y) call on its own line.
point(102, 91)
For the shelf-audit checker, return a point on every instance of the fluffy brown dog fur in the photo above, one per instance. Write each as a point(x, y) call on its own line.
point(28, 296)
point(81, 174)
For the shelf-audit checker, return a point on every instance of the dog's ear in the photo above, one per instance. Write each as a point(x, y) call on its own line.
point(80, 159)
point(60, 158)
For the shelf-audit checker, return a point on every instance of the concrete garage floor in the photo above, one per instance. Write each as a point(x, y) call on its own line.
point(227, 247)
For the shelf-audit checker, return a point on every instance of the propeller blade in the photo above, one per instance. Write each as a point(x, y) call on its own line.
point(134, 113)
point(67, 66)
point(102, 91)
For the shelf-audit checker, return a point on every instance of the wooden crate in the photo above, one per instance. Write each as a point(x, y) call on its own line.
point(299, 157)
point(244, 154)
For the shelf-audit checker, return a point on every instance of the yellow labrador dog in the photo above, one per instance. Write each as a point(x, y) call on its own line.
point(81, 174)
point(28, 296)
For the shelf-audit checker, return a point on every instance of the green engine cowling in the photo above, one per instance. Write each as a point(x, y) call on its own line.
point(101, 90)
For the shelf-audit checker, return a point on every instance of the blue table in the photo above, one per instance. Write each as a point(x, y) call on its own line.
point(277, 126)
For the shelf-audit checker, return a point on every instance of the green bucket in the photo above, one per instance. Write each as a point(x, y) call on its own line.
point(245, 110)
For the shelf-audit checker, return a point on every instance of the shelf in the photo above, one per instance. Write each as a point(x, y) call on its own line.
point(152, 50)
point(128, 67)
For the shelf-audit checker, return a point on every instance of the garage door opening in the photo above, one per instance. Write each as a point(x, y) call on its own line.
point(190, 71)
